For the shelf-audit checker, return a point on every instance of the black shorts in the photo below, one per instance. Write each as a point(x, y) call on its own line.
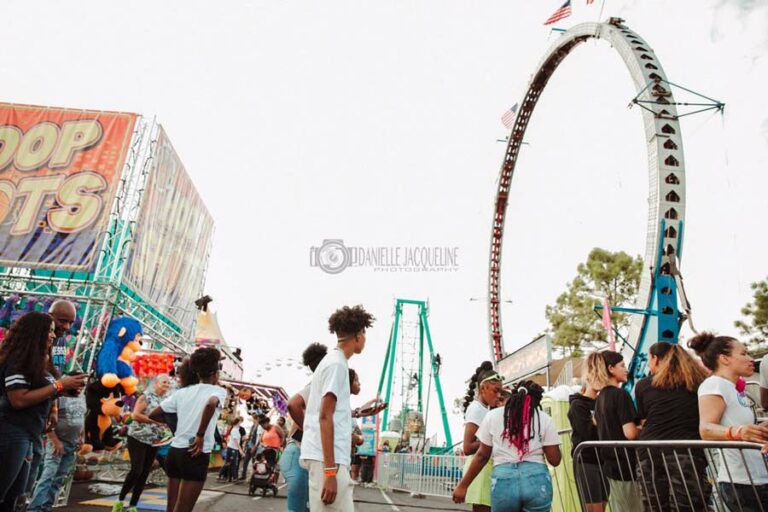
point(355, 460)
point(591, 482)
point(181, 466)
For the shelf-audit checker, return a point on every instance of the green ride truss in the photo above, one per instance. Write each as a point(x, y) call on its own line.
point(388, 371)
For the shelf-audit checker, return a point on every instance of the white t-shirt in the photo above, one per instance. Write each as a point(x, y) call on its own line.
point(737, 412)
point(304, 394)
point(475, 412)
point(331, 376)
point(234, 438)
point(188, 403)
point(504, 452)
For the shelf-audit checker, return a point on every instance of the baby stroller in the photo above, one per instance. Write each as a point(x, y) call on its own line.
point(268, 480)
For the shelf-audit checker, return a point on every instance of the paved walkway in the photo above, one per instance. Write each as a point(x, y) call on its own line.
point(219, 497)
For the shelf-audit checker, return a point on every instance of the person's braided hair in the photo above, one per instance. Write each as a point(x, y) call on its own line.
point(519, 414)
point(481, 372)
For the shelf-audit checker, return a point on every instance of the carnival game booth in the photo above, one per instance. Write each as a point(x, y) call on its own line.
point(97, 208)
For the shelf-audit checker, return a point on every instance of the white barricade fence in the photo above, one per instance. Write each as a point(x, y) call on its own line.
point(422, 474)
point(438, 475)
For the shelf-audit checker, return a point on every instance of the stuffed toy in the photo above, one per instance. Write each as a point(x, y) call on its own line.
point(251, 405)
point(47, 303)
point(113, 366)
point(78, 319)
point(103, 404)
point(8, 309)
point(279, 403)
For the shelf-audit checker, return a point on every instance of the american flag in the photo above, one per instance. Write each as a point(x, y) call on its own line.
point(563, 12)
point(508, 119)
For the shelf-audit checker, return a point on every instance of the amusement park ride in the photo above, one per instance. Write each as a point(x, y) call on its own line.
point(657, 316)
point(409, 340)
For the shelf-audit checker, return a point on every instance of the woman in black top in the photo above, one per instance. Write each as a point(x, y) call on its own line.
point(28, 386)
point(590, 478)
point(667, 403)
point(615, 418)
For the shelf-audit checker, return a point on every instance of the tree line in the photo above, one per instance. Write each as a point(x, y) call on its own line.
point(576, 327)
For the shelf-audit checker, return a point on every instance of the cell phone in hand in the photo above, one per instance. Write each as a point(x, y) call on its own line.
point(74, 372)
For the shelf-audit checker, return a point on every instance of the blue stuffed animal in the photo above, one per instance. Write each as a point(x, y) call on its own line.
point(113, 366)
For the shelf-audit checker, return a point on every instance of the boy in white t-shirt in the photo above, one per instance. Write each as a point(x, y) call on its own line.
point(328, 419)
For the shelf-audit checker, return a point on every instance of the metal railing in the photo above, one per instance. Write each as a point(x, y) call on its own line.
point(673, 475)
point(662, 476)
point(428, 475)
point(438, 475)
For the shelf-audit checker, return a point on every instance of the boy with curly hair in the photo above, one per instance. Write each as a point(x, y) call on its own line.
point(328, 419)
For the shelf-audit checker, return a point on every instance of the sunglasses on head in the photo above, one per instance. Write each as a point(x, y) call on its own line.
point(494, 377)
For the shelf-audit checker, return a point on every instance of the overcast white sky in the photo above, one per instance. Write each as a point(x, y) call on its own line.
point(376, 123)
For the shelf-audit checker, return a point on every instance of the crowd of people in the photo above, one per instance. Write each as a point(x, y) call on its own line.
point(174, 422)
point(508, 438)
point(43, 409)
point(681, 400)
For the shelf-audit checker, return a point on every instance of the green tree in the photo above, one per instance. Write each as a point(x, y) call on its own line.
point(572, 318)
point(755, 324)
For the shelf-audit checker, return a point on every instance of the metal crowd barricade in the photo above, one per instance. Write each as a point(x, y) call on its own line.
point(438, 475)
point(420, 474)
point(673, 475)
point(565, 496)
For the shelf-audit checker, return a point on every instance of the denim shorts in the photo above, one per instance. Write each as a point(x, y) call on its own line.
point(521, 485)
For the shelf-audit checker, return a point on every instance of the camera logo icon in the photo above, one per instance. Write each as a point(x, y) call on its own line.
point(332, 256)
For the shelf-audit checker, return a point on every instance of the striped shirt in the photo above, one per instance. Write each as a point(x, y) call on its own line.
point(31, 419)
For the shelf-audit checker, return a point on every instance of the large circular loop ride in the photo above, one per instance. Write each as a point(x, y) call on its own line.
point(666, 200)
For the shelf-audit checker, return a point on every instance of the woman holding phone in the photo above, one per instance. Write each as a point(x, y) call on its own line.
point(29, 383)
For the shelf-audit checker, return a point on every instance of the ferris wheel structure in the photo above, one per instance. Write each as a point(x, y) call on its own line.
point(657, 316)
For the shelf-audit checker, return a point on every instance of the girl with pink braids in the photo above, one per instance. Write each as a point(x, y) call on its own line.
point(520, 438)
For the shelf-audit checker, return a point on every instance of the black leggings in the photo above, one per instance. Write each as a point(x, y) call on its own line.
point(142, 456)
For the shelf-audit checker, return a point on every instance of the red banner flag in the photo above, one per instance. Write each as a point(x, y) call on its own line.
point(607, 323)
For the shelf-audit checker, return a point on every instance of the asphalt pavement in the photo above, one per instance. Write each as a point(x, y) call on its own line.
point(233, 497)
